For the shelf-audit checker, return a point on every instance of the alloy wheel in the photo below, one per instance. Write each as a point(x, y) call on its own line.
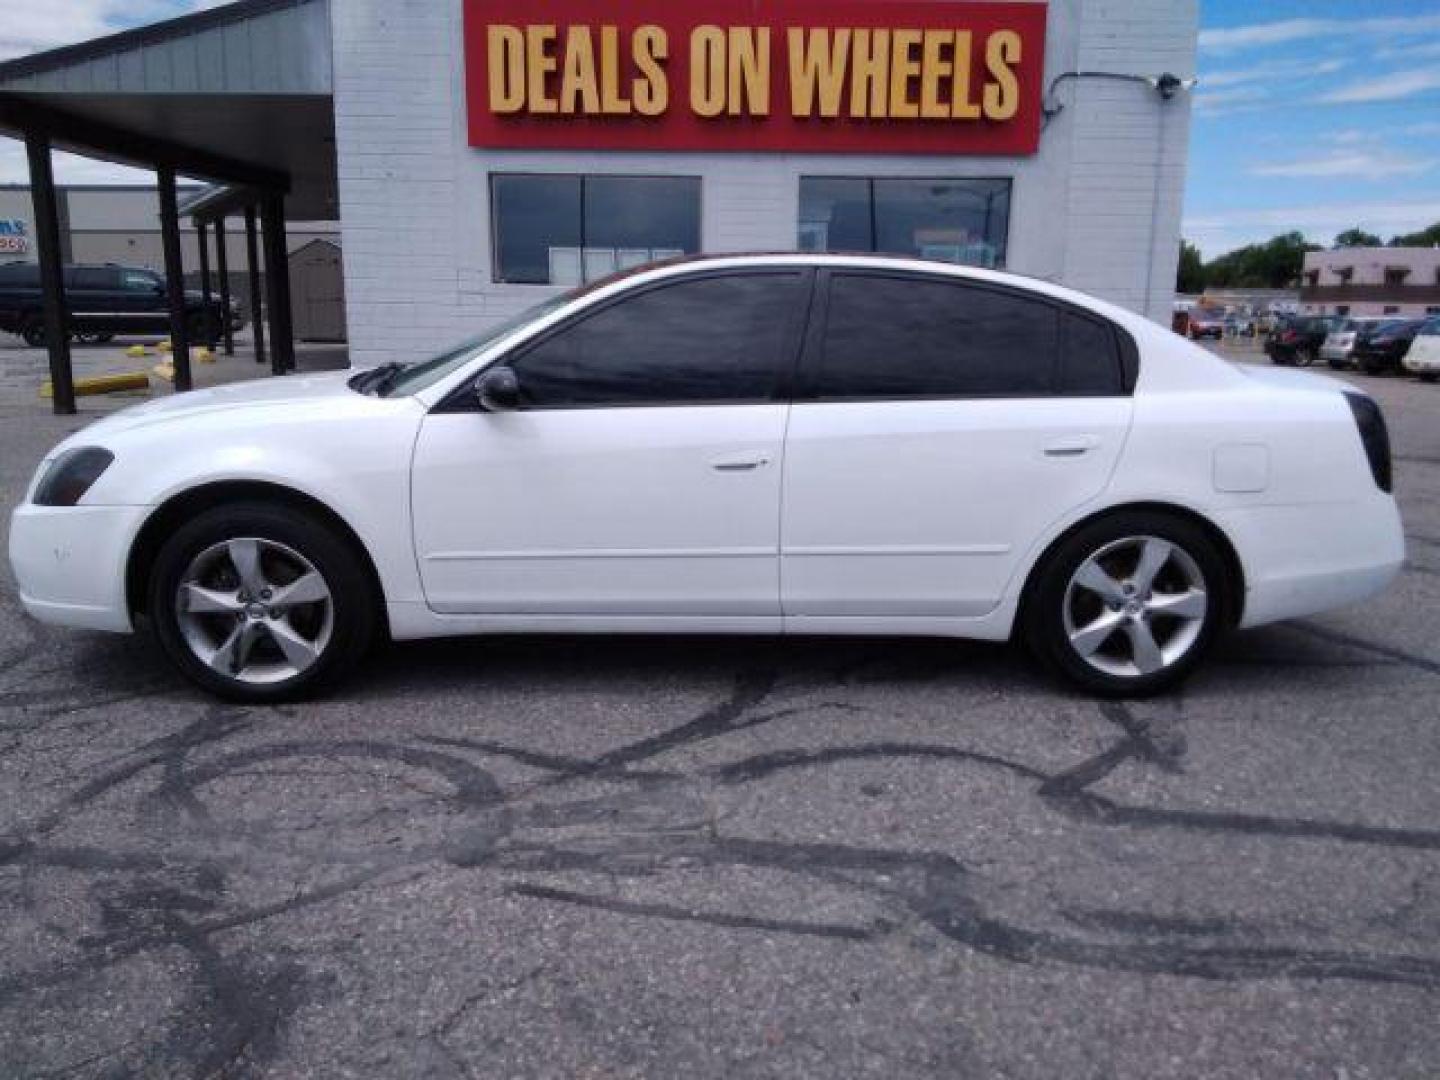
point(254, 610)
point(1135, 607)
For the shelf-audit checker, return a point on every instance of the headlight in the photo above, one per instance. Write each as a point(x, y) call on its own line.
point(71, 475)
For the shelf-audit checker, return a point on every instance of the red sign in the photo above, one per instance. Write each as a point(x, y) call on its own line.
point(873, 76)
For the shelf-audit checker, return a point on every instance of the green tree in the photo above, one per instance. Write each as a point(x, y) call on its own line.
point(1275, 264)
point(1424, 238)
point(1351, 238)
point(1191, 276)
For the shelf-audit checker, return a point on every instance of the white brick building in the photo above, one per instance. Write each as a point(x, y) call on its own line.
point(1097, 206)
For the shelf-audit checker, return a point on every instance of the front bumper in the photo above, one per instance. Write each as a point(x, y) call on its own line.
point(1422, 365)
point(70, 562)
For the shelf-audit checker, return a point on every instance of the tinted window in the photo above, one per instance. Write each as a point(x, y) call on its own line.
point(713, 339)
point(139, 281)
point(1089, 358)
point(907, 337)
point(20, 275)
point(92, 277)
point(961, 220)
point(563, 230)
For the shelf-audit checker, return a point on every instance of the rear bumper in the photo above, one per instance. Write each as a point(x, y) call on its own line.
point(1302, 560)
point(70, 562)
point(1422, 365)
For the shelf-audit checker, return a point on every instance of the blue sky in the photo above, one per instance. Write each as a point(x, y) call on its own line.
point(1310, 114)
point(1314, 115)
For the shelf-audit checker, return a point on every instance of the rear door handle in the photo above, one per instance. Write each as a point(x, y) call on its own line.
point(1071, 446)
point(741, 462)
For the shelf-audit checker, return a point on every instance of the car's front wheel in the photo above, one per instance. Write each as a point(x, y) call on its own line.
point(261, 603)
point(1127, 605)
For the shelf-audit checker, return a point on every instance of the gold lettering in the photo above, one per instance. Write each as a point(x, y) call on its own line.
point(707, 70)
point(933, 68)
point(577, 77)
point(612, 103)
point(869, 73)
point(505, 66)
point(539, 62)
point(749, 69)
point(1002, 97)
point(817, 69)
point(651, 91)
point(962, 104)
point(903, 67)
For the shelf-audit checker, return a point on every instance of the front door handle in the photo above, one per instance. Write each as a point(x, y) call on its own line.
point(1071, 446)
point(742, 462)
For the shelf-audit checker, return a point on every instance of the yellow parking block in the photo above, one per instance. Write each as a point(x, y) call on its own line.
point(165, 370)
point(136, 352)
point(204, 355)
point(103, 384)
point(163, 346)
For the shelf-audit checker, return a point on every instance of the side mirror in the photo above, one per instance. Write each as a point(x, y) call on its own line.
point(498, 389)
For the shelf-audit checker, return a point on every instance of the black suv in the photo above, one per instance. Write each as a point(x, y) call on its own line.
point(1298, 339)
point(104, 301)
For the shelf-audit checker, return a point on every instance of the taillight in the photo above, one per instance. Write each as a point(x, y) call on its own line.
point(1373, 436)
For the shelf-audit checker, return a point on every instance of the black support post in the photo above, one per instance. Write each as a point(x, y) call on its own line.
point(202, 237)
point(222, 266)
point(252, 252)
point(174, 276)
point(277, 285)
point(52, 271)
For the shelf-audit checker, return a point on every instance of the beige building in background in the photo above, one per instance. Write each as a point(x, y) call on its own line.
point(1371, 281)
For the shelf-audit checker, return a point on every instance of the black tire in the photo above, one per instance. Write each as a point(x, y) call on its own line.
point(354, 604)
point(33, 332)
point(200, 331)
point(1306, 357)
point(1043, 625)
point(1429, 376)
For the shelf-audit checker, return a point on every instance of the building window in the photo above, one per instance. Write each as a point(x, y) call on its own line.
point(1312, 278)
point(553, 229)
point(1395, 275)
point(1391, 309)
point(954, 220)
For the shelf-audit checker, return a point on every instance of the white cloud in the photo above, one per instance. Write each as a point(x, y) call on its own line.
point(1420, 50)
point(1234, 38)
point(1357, 164)
point(1220, 232)
point(1388, 87)
point(1276, 70)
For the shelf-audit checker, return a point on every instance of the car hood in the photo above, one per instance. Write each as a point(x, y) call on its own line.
point(257, 394)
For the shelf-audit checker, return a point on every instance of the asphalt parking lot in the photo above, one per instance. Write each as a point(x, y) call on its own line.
point(729, 857)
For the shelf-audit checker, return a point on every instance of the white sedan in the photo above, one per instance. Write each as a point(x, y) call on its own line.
point(802, 444)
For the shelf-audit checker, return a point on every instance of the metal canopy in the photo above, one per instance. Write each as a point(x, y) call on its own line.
point(239, 95)
point(236, 94)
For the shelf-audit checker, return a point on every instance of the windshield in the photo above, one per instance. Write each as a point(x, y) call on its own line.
point(416, 377)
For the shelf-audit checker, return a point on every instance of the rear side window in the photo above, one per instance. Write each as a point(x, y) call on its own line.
point(893, 337)
point(896, 337)
point(711, 339)
point(20, 275)
point(1089, 358)
point(93, 277)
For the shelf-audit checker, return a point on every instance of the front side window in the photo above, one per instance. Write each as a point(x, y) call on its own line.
point(139, 281)
point(905, 337)
point(712, 339)
point(565, 230)
point(959, 220)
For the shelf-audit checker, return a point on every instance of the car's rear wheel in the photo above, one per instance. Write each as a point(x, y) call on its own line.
point(1126, 606)
point(33, 332)
point(1306, 357)
point(259, 603)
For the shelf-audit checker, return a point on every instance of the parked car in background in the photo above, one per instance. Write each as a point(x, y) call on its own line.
point(1382, 347)
point(103, 301)
point(1339, 345)
point(963, 453)
point(1423, 356)
point(1205, 324)
point(1298, 340)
